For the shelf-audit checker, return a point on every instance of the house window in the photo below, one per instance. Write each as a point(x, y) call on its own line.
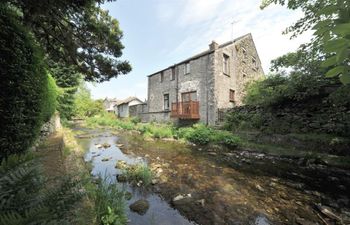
point(245, 54)
point(226, 65)
point(255, 64)
point(187, 69)
point(232, 95)
point(173, 73)
point(161, 77)
point(166, 102)
point(189, 96)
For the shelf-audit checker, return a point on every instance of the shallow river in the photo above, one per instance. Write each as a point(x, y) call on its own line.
point(225, 187)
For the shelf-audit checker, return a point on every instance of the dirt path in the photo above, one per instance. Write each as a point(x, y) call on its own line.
point(51, 156)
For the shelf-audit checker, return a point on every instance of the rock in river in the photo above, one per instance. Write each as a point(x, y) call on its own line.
point(140, 206)
point(122, 178)
point(106, 145)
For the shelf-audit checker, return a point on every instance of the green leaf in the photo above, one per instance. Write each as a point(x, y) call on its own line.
point(342, 29)
point(336, 45)
point(328, 10)
point(330, 61)
point(322, 24)
point(342, 54)
point(345, 78)
point(335, 71)
point(321, 31)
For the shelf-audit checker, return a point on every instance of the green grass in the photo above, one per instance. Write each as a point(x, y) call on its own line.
point(198, 133)
point(109, 203)
point(139, 172)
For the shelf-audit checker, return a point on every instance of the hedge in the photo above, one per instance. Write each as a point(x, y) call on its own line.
point(25, 87)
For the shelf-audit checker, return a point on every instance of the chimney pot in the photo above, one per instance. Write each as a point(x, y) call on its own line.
point(213, 46)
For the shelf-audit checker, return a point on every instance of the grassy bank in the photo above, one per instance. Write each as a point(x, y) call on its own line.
point(198, 133)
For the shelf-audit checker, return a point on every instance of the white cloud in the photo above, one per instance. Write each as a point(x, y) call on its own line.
point(207, 20)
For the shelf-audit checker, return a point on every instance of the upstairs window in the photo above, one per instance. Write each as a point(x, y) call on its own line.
point(255, 63)
point(166, 102)
point(187, 69)
point(226, 64)
point(244, 54)
point(161, 77)
point(173, 73)
point(232, 95)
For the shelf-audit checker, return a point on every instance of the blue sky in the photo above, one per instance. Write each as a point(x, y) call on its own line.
point(159, 33)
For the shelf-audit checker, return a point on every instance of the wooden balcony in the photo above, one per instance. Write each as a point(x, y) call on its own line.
point(185, 110)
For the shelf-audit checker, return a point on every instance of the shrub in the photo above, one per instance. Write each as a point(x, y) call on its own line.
point(139, 172)
point(279, 88)
point(135, 120)
point(200, 134)
point(109, 203)
point(226, 138)
point(156, 130)
point(23, 85)
point(25, 196)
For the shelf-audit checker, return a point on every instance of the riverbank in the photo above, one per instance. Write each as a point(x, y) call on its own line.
point(212, 186)
point(306, 148)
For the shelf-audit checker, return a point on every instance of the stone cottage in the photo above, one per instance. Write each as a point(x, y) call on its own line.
point(109, 104)
point(202, 87)
point(122, 109)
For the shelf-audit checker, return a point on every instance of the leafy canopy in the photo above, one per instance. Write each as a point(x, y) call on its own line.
point(78, 32)
point(330, 19)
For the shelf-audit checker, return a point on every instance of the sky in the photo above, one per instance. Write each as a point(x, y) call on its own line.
point(160, 33)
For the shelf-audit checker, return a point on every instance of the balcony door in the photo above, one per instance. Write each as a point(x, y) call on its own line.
point(189, 96)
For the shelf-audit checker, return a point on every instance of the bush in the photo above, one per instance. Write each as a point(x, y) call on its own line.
point(200, 134)
point(26, 199)
point(109, 204)
point(139, 172)
point(226, 138)
point(23, 85)
point(278, 88)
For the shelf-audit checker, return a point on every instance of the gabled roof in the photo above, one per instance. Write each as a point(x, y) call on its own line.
point(203, 53)
point(111, 99)
point(127, 100)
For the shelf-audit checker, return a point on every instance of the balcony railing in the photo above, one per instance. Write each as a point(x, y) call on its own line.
point(185, 110)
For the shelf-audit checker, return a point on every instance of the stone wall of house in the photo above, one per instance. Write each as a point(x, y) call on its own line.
point(200, 79)
point(244, 67)
point(207, 78)
point(137, 110)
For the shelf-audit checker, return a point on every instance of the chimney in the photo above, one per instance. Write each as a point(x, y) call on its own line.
point(213, 46)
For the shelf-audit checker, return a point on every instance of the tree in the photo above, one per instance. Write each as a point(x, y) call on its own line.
point(84, 105)
point(78, 33)
point(67, 79)
point(331, 21)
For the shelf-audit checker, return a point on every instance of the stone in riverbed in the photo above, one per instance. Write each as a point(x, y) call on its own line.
point(121, 178)
point(140, 206)
point(259, 188)
point(180, 197)
point(106, 159)
point(106, 145)
point(121, 164)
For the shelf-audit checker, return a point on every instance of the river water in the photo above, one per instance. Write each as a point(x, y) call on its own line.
point(225, 187)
